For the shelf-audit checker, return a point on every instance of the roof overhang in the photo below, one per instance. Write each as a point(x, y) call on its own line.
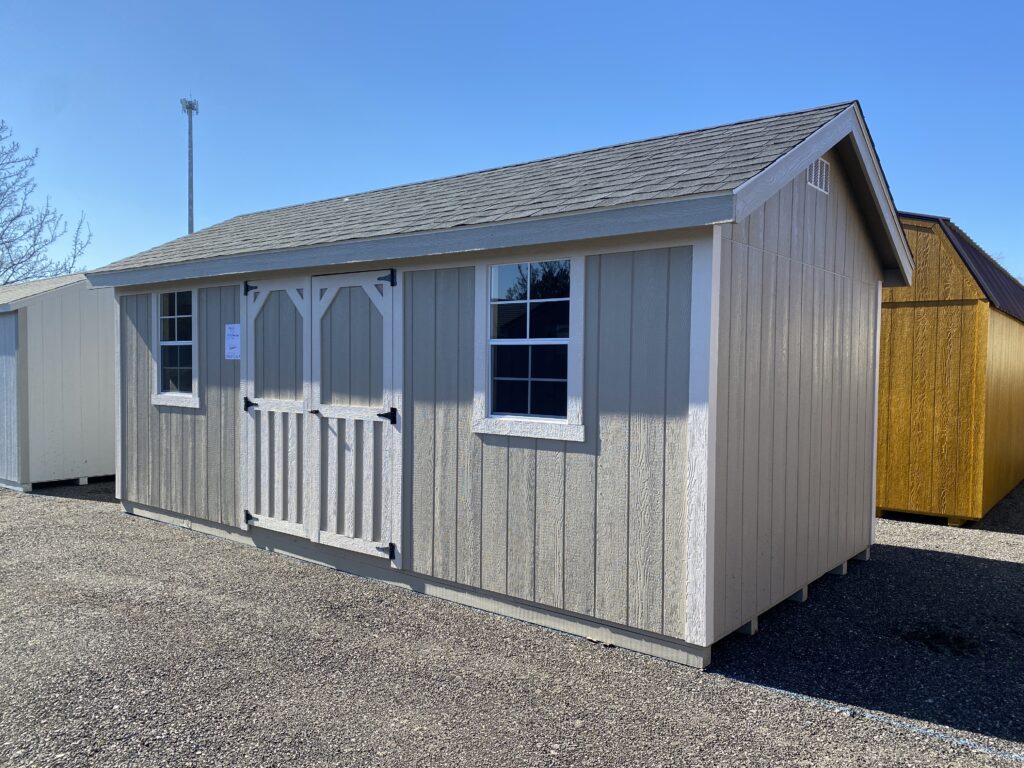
point(848, 134)
point(608, 222)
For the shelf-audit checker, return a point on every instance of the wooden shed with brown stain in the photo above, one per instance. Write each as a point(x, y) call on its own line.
point(951, 379)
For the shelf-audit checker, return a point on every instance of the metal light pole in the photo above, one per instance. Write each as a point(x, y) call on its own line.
point(190, 107)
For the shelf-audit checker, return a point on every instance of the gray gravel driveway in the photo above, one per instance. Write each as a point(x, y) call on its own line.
point(129, 642)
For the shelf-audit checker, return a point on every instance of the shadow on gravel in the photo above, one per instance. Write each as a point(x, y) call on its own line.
point(928, 635)
point(100, 490)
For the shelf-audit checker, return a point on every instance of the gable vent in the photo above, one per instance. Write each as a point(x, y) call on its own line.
point(818, 175)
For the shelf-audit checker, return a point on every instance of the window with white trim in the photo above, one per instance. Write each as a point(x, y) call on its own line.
point(529, 348)
point(174, 374)
point(529, 338)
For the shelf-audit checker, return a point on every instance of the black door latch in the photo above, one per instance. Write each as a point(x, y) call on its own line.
point(391, 414)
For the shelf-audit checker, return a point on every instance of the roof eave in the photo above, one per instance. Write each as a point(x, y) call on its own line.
point(898, 263)
point(645, 218)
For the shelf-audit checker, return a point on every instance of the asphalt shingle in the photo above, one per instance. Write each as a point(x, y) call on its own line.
point(704, 161)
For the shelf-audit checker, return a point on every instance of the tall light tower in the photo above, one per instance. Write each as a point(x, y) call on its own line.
point(190, 107)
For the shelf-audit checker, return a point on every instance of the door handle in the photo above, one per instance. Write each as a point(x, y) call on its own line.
point(391, 414)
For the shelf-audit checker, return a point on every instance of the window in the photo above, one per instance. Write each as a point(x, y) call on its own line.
point(530, 341)
point(529, 338)
point(174, 319)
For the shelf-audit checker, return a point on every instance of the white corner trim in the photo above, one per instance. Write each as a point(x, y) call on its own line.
point(700, 439)
point(173, 399)
point(570, 428)
point(756, 190)
point(118, 435)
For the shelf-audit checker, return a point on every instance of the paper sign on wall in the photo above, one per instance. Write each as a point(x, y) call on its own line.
point(232, 341)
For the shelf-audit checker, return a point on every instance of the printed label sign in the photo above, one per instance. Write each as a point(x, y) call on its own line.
point(232, 341)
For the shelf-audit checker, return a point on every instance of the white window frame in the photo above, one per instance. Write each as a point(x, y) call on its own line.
point(484, 422)
point(178, 399)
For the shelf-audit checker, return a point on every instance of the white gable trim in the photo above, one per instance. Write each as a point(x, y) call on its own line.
point(754, 192)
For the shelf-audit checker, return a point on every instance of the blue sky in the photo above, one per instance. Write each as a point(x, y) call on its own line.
point(302, 101)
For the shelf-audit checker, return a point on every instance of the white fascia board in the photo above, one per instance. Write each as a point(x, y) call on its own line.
point(850, 122)
point(627, 220)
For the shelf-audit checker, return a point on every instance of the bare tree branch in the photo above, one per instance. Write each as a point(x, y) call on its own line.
point(28, 232)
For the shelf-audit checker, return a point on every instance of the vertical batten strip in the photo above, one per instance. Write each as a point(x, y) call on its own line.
point(349, 448)
point(293, 466)
point(280, 457)
point(366, 490)
point(331, 467)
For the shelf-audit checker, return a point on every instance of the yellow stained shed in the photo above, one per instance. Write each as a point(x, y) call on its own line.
point(951, 379)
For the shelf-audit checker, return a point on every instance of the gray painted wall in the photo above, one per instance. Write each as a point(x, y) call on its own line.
point(9, 450)
point(351, 342)
point(796, 387)
point(596, 528)
point(279, 337)
point(182, 459)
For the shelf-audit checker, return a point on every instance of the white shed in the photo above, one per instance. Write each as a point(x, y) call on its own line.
point(56, 382)
point(628, 393)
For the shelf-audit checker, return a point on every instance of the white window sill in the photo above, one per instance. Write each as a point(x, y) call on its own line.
point(545, 429)
point(178, 401)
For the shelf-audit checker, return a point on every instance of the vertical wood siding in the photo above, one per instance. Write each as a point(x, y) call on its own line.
point(278, 364)
point(182, 459)
point(596, 528)
point(795, 397)
point(1004, 405)
point(70, 385)
point(9, 444)
point(931, 389)
point(351, 350)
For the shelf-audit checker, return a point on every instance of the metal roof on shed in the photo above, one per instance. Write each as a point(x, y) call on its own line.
point(1001, 288)
point(695, 163)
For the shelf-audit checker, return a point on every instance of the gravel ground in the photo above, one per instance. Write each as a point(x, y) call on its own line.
point(128, 642)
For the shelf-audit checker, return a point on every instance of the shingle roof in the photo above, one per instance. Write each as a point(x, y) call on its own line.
point(21, 291)
point(710, 160)
point(1000, 287)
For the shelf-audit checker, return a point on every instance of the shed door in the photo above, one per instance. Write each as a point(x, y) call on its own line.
point(356, 403)
point(278, 362)
point(323, 434)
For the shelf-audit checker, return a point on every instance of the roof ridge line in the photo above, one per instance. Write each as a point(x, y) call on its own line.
point(549, 158)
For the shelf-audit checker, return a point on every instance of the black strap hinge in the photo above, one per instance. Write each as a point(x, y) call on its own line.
point(247, 403)
point(391, 414)
point(391, 278)
point(389, 548)
point(249, 517)
point(248, 288)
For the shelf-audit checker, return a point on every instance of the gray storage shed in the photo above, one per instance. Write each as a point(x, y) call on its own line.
point(56, 381)
point(628, 393)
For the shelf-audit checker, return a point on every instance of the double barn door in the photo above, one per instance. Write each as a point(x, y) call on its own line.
point(322, 446)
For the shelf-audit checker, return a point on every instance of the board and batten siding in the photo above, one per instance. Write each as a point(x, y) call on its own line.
point(9, 427)
point(69, 353)
point(795, 397)
point(183, 460)
point(596, 528)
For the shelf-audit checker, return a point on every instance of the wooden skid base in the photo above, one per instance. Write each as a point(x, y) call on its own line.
point(660, 646)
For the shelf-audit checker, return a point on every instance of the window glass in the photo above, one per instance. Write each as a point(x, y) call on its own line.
point(529, 337)
point(175, 358)
point(509, 282)
point(549, 279)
